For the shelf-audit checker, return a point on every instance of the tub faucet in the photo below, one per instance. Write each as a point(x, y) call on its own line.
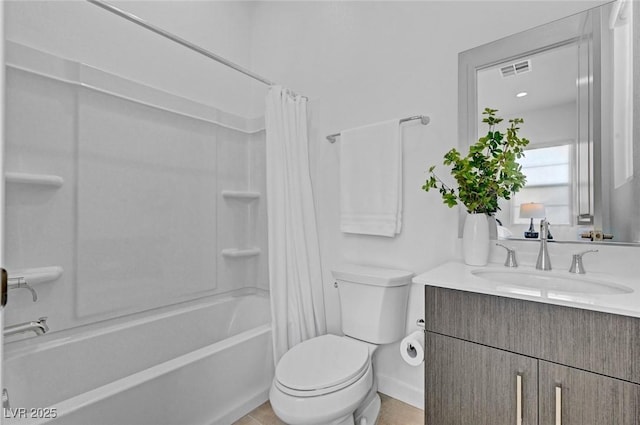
point(39, 327)
point(543, 263)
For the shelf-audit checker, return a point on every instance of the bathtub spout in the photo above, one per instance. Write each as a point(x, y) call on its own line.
point(39, 327)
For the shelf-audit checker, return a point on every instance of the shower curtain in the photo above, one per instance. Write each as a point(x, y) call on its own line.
point(295, 280)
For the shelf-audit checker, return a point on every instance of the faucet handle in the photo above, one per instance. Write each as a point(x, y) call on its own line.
point(576, 263)
point(511, 260)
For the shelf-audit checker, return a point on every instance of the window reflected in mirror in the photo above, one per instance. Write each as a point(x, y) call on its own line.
point(549, 182)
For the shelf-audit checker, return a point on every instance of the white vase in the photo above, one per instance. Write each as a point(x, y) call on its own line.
point(475, 240)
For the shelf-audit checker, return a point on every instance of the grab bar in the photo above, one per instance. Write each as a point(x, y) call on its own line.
point(21, 282)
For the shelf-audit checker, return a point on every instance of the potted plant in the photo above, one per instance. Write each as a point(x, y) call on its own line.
point(489, 171)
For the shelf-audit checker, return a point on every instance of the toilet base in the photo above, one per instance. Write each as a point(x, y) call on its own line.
point(367, 413)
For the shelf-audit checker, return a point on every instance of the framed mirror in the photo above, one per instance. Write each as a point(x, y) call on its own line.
point(571, 81)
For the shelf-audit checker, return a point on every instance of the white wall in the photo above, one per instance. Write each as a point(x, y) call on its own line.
point(363, 62)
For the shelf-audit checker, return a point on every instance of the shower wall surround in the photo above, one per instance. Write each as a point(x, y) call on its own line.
point(140, 220)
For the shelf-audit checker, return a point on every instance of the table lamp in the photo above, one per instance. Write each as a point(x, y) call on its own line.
point(532, 210)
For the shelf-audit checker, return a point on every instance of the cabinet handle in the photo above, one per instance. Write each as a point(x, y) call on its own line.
point(558, 405)
point(518, 399)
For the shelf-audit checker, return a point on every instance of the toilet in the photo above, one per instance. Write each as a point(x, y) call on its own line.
point(328, 380)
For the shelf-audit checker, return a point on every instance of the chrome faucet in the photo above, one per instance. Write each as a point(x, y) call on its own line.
point(543, 263)
point(39, 327)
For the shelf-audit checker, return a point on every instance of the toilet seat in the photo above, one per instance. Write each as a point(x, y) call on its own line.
point(322, 365)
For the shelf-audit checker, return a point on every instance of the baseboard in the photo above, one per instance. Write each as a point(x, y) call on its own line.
point(401, 391)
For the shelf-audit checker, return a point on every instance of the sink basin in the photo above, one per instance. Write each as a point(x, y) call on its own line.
point(552, 281)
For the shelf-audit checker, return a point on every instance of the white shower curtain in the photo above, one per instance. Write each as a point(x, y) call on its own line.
point(295, 280)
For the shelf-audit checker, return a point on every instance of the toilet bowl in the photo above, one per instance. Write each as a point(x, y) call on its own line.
point(328, 380)
point(322, 381)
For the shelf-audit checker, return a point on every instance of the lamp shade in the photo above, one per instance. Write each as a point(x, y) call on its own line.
point(532, 210)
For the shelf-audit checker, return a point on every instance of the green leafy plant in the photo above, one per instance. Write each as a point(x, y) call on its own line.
point(488, 172)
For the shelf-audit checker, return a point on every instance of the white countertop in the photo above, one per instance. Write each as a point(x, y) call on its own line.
point(457, 275)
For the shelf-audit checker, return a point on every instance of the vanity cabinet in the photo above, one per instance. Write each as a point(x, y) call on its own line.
point(492, 360)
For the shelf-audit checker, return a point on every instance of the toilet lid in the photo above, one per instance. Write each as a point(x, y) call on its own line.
point(320, 364)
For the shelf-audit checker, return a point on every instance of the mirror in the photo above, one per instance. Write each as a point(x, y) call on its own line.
point(572, 82)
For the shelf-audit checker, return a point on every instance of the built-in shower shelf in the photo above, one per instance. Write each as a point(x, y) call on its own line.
point(37, 275)
point(240, 253)
point(34, 179)
point(241, 195)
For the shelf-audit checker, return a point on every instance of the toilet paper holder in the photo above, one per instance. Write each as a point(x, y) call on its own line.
point(420, 324)
point(412, 346)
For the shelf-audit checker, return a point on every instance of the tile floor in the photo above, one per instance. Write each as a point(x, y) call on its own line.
point(392, 412)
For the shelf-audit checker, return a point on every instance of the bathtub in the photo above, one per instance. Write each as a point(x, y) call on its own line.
point(204, 362)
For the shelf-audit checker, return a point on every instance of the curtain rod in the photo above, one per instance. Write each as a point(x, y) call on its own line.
point(423, 119)
point(136, 20)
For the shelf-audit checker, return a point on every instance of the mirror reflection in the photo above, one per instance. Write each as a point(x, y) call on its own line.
point(574, 90)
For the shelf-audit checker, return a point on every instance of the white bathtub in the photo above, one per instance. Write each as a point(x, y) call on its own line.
point(204, 362)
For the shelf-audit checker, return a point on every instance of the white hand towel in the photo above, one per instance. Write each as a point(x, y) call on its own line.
point(371, 179)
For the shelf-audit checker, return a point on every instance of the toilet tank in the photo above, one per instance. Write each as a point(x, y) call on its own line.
point(373, 302)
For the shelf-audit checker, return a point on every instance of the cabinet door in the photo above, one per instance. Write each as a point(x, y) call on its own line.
point(571, 396)
point(468, 383)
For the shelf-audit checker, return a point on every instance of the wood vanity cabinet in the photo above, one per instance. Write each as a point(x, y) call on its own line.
point(492, 360)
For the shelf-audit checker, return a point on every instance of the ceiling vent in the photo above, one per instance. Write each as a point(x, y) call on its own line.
point(516, 68)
